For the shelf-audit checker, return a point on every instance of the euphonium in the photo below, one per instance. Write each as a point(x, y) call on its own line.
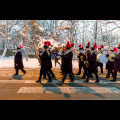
point(110, 57)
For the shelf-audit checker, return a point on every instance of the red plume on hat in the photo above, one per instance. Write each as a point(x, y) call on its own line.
point(46, 43)
point(102, 46)
point(88, 44)
point(68, 45)
point(95, 46)
point(82, 47)
point(72, 44)
point(115, 49)
point(119, 45)
point(49, 43)
point(79, 45)
point(21, 46)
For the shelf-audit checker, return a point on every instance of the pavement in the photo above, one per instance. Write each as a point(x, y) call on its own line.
point(77, 90)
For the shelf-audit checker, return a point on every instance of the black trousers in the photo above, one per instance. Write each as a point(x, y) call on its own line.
point(100, 65)
point(81, 65)
point(109, 72)
point(50, 71)
point(44, 73)
point(115, 75)
point(17, 70)
point(56, 61)
point(96, 75)
point(71, 75)
point(86, 72)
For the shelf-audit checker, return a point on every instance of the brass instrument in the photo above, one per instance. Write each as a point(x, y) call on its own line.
point(86, 61)
point(110, 57)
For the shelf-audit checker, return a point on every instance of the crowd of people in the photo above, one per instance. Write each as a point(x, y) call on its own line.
point(88, 61)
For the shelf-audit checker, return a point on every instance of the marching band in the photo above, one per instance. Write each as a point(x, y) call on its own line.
point(89, 60)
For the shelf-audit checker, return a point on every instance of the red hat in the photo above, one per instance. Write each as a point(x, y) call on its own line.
point(68, 45)
point(45, 43)
point(21, 46)
point(72, 44)
point(119, 45)
point(102, 46)
point(95, 46)
point(79, 45)
point(82, 47)
point(49, 43)
point(88, 44)
point(115, 49)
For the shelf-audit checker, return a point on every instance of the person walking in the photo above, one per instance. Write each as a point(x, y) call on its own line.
point(18, 62)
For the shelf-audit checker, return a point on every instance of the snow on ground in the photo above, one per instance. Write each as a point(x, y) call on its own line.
point(8, 62)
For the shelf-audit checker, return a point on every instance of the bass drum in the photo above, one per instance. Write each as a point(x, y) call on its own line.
point(103, 58)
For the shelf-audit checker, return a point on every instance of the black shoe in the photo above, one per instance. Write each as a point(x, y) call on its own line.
point(83, 78)
point(24, 73)
point(49, 81)
point(113, 80)
point(86, 81)
point(15, 74)
point(107, 77)
point(38, 81)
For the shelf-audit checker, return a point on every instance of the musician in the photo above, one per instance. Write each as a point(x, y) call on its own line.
point(62, 60)
point(99, 64)
point(92, 68)
point(45, 67)
point(56, 56)
point(18, 63)
point(81, 58)
point(67, 68)
point(50, 63)
point(116, 64)
point(109, 64)
point(86, 63)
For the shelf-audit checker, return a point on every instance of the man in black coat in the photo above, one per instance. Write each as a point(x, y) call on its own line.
point(18, 63)
point(92, 68)
point(68, 63)
point(116, 65)
point(45, 67)
point(81, 58)
point(62, 62)
point(50, 64)
point(86, 63)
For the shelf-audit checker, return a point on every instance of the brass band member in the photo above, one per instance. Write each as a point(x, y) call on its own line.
point(44, 56)
point(68, 63)
point(92, 66)
point(98, 62)
point(86, 63)
point(109, 64)
point(116, 64)
point(81, 58)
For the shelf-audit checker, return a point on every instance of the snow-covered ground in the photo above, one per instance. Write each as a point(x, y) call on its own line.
point(8, 62)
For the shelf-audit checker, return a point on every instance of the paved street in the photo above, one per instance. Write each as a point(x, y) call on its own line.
point(24, 87)
point(30, 90)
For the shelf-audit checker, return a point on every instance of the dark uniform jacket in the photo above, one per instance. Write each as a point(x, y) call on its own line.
point(67, 67)
point(81, 57)
point(92, 63)
point(44, 62)
point(18, 63)
point(49, 60)
point(117, 62)
point(87, 56)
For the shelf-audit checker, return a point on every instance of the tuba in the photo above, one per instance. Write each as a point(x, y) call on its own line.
point(110, 57)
